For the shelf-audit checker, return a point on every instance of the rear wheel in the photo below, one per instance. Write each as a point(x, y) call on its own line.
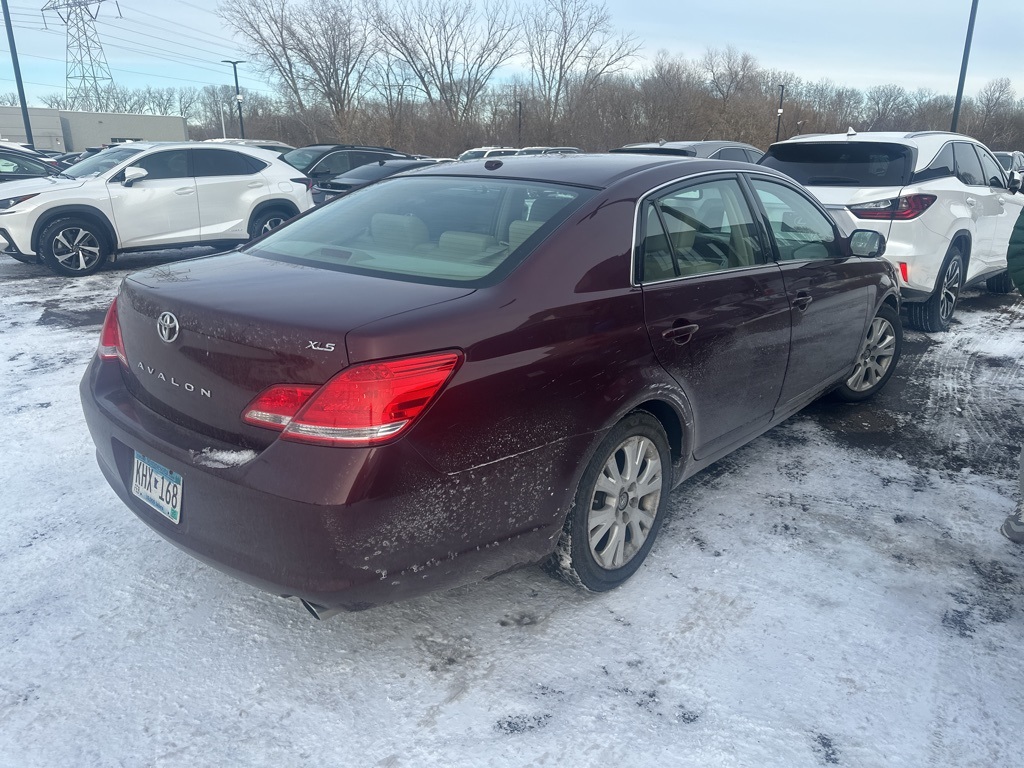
point(73, 247)
point(936, 313)
point(618, 508)
point(1001, 283)
point(268, 220)
point(877, 359)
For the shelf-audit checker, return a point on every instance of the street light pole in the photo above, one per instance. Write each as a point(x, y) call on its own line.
point(963, 66)
point(17, 74)
point(778, 124)
point(238, 96)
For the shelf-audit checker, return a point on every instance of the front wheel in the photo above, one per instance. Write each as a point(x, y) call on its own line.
point(877, 359)
point(618, 507)
point(73, 247)
point(936, 313)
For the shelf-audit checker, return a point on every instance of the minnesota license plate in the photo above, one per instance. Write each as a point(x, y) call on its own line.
point(158, 486)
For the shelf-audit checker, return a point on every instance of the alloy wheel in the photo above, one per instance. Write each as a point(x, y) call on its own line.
point(76, 248)
point(950, 290)
point(272, 223)
point(624, 503)
point(876, 356)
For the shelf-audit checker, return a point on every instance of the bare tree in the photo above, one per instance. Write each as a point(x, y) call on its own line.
point(452, 47)
point(886, 107)
point(571, 46)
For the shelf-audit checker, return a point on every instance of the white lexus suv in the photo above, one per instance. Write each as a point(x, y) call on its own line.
point(148, 195)
point(943, 202)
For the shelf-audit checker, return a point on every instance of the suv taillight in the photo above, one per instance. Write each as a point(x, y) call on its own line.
point(111, 346)
point(894, 208)
point(363, 405)
point(305, 181)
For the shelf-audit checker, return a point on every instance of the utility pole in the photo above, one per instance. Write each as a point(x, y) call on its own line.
point(238, 96)
point(963, 66)
point(778, 124)
point(17, 74)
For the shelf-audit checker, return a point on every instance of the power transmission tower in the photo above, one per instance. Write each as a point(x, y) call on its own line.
point(88, 75)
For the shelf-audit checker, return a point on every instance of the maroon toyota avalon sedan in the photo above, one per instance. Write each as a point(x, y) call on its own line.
point(476, 366)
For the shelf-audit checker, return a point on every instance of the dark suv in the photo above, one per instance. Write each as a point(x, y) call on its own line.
point(324, 161)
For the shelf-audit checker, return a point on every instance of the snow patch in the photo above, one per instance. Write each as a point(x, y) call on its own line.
point(210, 457)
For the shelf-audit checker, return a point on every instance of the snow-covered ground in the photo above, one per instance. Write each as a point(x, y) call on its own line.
point(835, 593)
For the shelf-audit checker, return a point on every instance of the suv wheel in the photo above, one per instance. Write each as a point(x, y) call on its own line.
point(1001, 283)
point(936, 313)
point(73, 247)
point(267, 220)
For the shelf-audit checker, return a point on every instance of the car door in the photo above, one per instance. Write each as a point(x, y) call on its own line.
point(1005, 211)
point(161, 208)
point(829, 293)
point(981, 205)
point(229, 186)
point(716, 307)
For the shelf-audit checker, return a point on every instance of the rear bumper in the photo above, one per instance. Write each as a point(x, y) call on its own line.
point(339, 527)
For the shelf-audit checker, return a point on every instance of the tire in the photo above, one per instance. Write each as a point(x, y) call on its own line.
point(624, 517)
point(936, 313)
point(877, 359)
point(73, 246)
point(1001, 283)
point(267, 220)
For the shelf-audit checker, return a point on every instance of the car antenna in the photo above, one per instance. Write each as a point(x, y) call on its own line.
point(850, 131)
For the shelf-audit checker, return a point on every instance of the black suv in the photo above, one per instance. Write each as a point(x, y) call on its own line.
point(324, 161)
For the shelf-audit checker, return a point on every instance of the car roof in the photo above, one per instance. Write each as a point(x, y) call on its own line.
point(701, 147)
point(590, 170)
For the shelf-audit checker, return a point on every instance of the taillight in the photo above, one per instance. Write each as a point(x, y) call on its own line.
point(363, 405)
point(905, 271)
point(305, 181)
point(111, 346)
point(894, 208)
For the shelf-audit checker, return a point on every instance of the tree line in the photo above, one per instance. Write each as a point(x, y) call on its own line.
point(438, 76)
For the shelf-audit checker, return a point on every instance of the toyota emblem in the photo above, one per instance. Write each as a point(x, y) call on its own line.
point(167, 327)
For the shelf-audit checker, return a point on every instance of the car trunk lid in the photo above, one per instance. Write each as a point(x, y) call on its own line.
point(204, 337)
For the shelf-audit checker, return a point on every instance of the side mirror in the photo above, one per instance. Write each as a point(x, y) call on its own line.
point(1014, 184)
point(867, 243)
point(133, 174)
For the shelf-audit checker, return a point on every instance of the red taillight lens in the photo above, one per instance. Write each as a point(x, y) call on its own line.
point(894, 208)
point(111, 346)
point(905, 271)
point(275, 406)
point(363, 405)
point(305, 181)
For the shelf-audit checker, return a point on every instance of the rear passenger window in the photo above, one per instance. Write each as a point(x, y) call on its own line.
point(698, 229)
point(993, 173)
point(802, 232)
point(968, 167)
point(220, 162)
point(941, 167)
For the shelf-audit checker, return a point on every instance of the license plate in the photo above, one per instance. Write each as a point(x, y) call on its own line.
point(158, 486)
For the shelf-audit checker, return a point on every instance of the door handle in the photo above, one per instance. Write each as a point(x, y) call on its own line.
point(680, 334)
point(255, 184)
point(185, 191)
point(803, 300)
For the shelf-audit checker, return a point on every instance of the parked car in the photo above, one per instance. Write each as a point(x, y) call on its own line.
point(359, 177)
point(142, 196)
point(465, 368)
point(550, 151)
point(478, 152)
point(324, 161)
point(1012, 161)
point(716, 150)
point(941, 200)
point(16, 165)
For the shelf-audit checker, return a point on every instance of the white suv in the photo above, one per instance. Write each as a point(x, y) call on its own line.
point(943, 202)
point(142, 196)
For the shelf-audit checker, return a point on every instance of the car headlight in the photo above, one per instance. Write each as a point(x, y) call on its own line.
point(10, 202)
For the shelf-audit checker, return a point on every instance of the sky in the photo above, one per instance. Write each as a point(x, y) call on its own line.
point(180, 43)
point(834, 593)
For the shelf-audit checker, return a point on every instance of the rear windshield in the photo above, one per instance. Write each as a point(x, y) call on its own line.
point(443, 230)
point(846, 164)
point(377, 170)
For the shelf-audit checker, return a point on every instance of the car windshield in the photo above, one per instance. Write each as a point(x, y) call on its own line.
point(443, 230)
point(842, 164)
point(472, 154)
point(101, 162)
point(1005, 159)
